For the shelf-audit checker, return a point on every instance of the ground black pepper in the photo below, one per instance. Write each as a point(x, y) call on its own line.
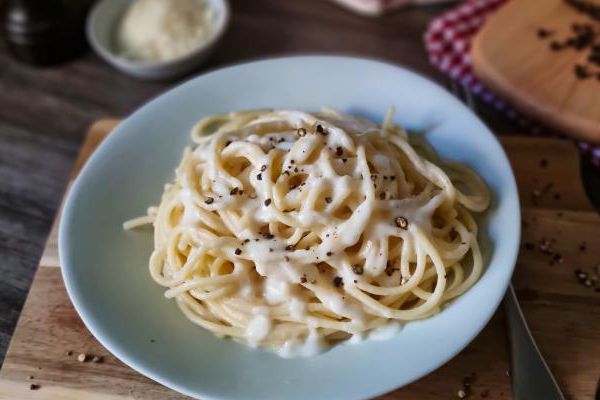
point(544, 33)
point(401, 222)
point(209, 200)
point(238, 252)
point(338, 281)
point(267, 202)
point(234, 191)
point(357, 269)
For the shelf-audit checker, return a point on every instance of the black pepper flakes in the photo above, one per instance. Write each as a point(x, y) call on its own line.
point(259, 177)
point(268, 236)
point(303, 279)
point(328, 200)
point(234, 191)
point(34, 386)
point(329, 254)
point(209, 200)
point(339, 151)
point(321, 130)
point(289, 247)
point(401, 222)
point(581, 72)
point(338, 281)
point(238, 252)
point(543, 33)
point(267, 202)
point(357, 269)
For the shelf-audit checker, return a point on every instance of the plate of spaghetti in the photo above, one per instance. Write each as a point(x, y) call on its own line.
point(302, 227)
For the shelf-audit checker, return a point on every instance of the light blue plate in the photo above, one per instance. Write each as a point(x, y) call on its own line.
point(105, 269)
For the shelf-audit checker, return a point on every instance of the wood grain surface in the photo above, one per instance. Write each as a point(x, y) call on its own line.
point(510, 57)
point(564, 315)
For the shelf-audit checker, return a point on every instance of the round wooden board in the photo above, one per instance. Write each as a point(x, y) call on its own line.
point(509, 57)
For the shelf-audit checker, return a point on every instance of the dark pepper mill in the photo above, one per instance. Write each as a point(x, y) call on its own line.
point(44, 32)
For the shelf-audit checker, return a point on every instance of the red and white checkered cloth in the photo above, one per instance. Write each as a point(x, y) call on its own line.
point(448, 41)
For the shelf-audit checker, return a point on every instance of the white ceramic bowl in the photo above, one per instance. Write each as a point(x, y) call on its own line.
point(106, 269)
point(102, 26)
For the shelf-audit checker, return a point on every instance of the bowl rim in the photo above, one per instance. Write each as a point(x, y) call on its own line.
point(113, 57)
point(67, 217)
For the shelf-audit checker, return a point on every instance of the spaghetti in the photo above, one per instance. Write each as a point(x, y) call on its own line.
point(293, 231)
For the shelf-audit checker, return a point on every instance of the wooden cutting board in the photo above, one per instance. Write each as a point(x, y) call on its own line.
point(509, 57)
point(563, 314)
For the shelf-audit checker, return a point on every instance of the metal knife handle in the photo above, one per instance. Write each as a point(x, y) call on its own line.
point(531, 377)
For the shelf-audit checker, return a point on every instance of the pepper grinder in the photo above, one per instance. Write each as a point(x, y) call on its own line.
point(44, 32)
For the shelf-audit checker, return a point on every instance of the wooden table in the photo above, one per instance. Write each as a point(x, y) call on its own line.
point(45, 112)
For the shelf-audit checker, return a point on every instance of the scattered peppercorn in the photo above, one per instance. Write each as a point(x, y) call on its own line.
point(238, 252)
point(339, 151)
point(289, 247)
point(34, 386)
point(267, 202)
point(581, 71)
point(544, 33)
point(357, 269)
point(303, 279)
point(401, 222)
point(328, 200)
point(338, 281)
point(259, 177)
point(234, 191)
point(329, 254)
point(209, 200)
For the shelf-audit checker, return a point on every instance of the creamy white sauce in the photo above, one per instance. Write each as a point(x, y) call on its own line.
point(259, 327)
point(281, 267)
point(386, 332)
point(311, 346)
